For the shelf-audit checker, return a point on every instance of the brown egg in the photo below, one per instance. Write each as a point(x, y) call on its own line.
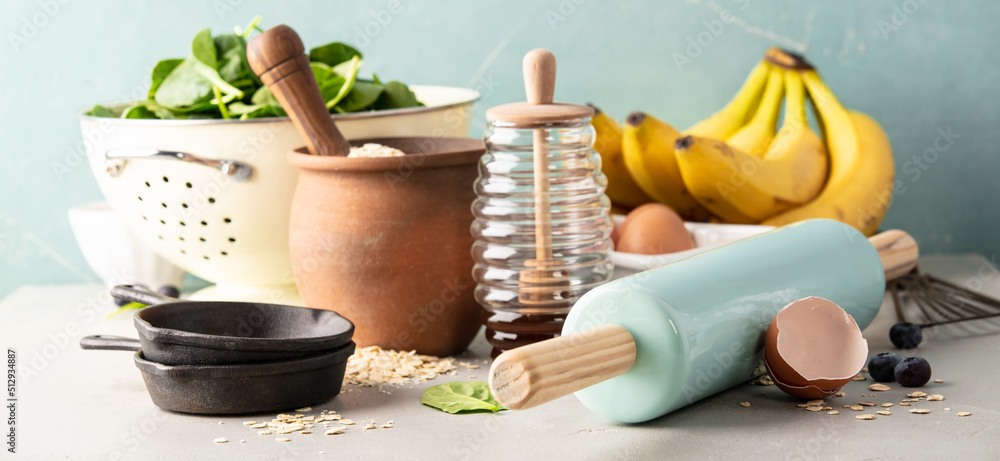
point(653, 229)
point(813, 348)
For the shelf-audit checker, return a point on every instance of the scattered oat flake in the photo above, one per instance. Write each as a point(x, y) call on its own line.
point(883, 412)
point(335, 431)
point(249, 423)
point(868, 404)
point(887, 404)
point(263, 432)
point(303, 409)
point(387, 425)
point(939, 381)
point(282, 439)
point(258, 426)
point(814, 408)
point(947, 409)
point(840, 394)
point(920, 411)
point(744, 404)
point(879, 387)
point(814, 402)
point(847, 406)
point(904, 404)
point(857, 407)
point(964, 413)
point(935, 397)
point(827, 408)
point(221, 440)
point(916, 394)
point(371, 366)
point(243, 441)
point(346, 422)
point(370, 426)
point(864, 370)
point(865, 417)
point(305, 432)
point(859, 378)
point(802, 405)
point(833, 412)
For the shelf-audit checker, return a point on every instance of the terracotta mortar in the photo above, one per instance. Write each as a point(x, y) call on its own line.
point(385, 242)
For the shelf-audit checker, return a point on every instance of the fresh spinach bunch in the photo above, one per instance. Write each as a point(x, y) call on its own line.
point(216, 81)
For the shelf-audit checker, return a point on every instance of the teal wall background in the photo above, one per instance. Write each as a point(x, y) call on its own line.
point(920, 67)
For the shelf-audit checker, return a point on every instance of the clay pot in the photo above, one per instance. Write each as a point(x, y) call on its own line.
point(385, 242)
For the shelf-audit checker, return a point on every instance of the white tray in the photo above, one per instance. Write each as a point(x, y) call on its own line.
point(705, 235)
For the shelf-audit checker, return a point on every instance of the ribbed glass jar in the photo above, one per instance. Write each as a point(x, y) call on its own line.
point(505, 221)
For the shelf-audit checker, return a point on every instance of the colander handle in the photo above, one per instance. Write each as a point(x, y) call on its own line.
point(140, 295)
point(116, 158)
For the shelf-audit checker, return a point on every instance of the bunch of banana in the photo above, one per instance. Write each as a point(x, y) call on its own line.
point(737, 166)
point(755, 173)
point(862, 169)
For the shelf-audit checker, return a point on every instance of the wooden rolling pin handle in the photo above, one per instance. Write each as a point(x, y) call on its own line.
point(277, 56)
point(539, 68)
point(897, 250)
point(534, 374)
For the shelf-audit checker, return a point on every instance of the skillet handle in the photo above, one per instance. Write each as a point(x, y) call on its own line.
point(140, 295)
point(110, 343)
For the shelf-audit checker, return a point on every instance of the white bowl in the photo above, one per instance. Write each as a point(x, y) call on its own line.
point(230, 232)
point(114, 253)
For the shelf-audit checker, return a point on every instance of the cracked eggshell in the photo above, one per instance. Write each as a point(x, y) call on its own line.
point(813, 348)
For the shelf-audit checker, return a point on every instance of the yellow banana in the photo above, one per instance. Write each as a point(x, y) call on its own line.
point(796, 158)
point(738, 111)
point(622, 189)
point(862, 169)
point(648, 146)
point(754, 137)
point(729, 182)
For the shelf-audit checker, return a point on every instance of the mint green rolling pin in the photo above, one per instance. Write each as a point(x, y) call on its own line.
point(642, 346)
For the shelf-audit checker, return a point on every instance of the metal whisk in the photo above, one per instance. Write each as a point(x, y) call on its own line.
point(939, 302)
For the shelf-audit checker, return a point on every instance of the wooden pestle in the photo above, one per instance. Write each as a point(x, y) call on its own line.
point(278, 57)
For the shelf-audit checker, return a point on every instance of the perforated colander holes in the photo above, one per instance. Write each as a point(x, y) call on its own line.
point(184, 205)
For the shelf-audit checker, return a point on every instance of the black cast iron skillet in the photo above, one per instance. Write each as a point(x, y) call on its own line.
point(175, 332)
point(245, 389)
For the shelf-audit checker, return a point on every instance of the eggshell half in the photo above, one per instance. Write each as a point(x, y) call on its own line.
point(813, 348)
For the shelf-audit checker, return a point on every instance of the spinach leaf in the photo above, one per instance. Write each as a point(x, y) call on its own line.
point(138, 110)
point(396, 95)
point(203, 48)
point(321, 72)
point(160, 72)
point(263, 96)
point(458, 397)
point(101, 111)
point(349, 71)
point(332, 54)
point(363, 95)
point(331, 87)
point(231, 51)
point(184, 86)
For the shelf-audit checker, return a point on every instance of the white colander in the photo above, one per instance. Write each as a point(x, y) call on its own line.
point(213, 196)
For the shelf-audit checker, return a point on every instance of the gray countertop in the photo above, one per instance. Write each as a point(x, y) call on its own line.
point(76, 404)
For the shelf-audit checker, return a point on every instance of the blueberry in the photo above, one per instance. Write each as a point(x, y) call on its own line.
point(913, 372)
point(905, 335)
point(882, 367)
point(169, 290)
